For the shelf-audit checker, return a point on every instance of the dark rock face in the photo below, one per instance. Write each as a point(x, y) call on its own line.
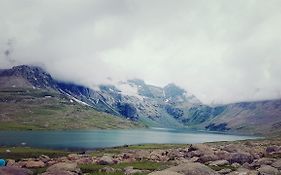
point(217, 127)
point(128, 110)
point(74, 89)
point(35, 75)
point(175, 112)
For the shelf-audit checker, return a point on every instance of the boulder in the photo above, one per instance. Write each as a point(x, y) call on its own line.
point(272, 149)
point(14, 171)
point(63, 167)
point(73, 156)
point(277, 164)
point(241, 158)
point(105, 160)
point(203, 148)
point(207, 158)
point(219, 163)
point(164, 172)
point(107, 170)
point(223, 155)
point(44, 158)
point(224, 171)
point(244, 171)
point(268, 170)
point(10, 162)
point(193, 169)
point(33, 164)
point(60, 173)
point(130, 170)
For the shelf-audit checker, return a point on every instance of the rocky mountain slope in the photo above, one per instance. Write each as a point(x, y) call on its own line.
point(169, 106)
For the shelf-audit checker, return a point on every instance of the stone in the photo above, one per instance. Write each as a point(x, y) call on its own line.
point(241, 158)
point(277, 164)
point(105, 160)
point(272, 149)
point(224, 171)
point(107, 170)
point(243, 171)
point(207, 157)
point(223, 155)
point(193, 169)
point(268, 170)
point(204, 149)
point(14, 171)
point(33, 164)
point(164, 172)
point(60, 173)
point(219, 163)
point(235, 165)
point(10, 162)
point(72, 167)
point(130, 170)
point(73, 156)
point(44, 158)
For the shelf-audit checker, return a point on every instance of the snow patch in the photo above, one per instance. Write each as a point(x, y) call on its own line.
point(129, 90)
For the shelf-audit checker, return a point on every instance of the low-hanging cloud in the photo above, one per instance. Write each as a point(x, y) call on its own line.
point(222, 51)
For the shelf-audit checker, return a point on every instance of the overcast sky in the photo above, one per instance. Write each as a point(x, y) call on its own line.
point(221, 51)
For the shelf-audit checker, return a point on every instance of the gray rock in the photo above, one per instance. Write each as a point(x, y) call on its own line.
point(14, 171)
point(33, 164)
point(225, 171)
point(107, 170)
point(219, 163)
point(268, 170)
point(243, 171)
point(193, 169)
point(164, 172)
point(105, 160)
point(241, 158)
point(63, 167)
point(277, 164)
point(60, 173)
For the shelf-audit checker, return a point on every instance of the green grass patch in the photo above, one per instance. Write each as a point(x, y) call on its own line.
point(27, 152)
point(156, 146)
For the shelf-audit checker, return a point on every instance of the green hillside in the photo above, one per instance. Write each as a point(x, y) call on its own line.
point(37, 109)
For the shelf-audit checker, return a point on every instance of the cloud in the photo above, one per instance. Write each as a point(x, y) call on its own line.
point(222, 51)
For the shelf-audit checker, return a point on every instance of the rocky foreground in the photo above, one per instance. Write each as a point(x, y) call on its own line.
point(255, 157)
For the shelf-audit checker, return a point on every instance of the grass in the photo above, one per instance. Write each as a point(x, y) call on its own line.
point(29, 109)
point(141, 165)
point(27, 152)
point(118, 150)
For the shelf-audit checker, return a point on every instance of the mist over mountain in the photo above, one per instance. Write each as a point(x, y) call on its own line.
point(132, 100)
point(221, 51)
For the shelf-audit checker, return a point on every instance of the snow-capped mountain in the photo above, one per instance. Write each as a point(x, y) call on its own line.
point(169, 106)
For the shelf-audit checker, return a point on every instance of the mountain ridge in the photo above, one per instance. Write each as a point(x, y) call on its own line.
point(168, 106)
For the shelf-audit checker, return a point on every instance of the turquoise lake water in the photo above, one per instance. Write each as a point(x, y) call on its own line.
point(110, 138)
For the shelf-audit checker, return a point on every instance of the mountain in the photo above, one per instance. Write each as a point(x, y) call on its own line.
point(124, 101)
point(30, 99)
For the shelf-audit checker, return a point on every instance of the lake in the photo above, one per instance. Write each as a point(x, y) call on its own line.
point(109, 138)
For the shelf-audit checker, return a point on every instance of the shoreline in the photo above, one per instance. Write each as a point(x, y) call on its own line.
point(223, 157)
